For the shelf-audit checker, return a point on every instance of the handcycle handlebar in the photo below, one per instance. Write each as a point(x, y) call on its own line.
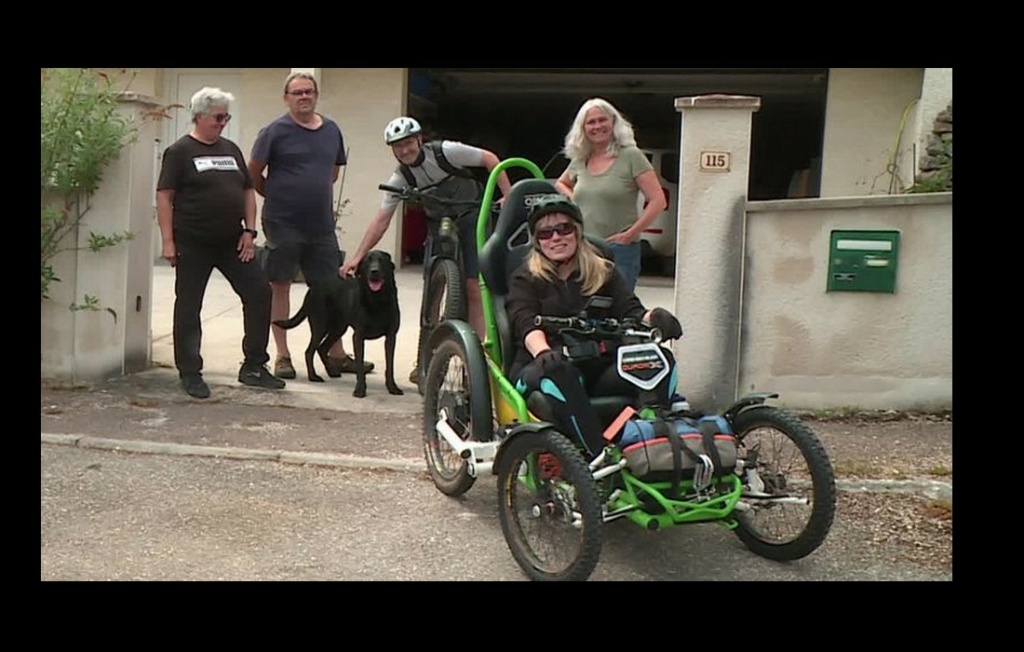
point(604, 328)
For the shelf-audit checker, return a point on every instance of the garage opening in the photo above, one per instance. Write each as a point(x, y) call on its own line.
point(526, 112)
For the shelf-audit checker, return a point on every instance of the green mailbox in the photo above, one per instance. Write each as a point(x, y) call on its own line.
point(863, 261)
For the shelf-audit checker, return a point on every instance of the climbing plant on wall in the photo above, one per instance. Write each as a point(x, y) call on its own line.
point(80, 132)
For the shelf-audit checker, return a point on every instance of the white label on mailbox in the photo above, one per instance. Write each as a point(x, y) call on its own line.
point(715, 161)
point(865, 245)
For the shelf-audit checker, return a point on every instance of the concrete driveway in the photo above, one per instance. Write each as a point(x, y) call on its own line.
point(222, 340)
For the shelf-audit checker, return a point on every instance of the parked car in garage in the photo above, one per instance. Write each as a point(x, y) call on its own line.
point(659, 238)
point(661, 234)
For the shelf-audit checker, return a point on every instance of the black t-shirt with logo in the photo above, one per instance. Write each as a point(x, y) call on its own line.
point(209, 184)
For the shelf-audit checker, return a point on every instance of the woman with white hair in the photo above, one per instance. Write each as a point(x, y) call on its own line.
point(606, 171)
point(206, 209)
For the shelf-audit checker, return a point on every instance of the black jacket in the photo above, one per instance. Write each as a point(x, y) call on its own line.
point(530, 296)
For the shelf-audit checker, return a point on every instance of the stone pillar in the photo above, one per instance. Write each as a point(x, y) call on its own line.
point(90, 345)
point(714, 160)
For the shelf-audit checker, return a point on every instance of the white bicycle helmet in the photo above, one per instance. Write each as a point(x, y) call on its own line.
point(400, 128)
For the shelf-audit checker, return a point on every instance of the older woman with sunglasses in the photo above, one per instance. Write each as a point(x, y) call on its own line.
point(560, 274)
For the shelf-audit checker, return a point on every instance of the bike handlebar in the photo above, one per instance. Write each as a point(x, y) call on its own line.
point(415, 194)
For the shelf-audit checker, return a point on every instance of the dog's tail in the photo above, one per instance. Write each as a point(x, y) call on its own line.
point(294, 321)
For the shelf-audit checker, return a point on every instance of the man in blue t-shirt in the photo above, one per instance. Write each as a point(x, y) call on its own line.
point(302, 152)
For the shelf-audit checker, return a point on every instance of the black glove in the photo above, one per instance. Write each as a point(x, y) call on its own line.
point(549, 359)
point(666, 322)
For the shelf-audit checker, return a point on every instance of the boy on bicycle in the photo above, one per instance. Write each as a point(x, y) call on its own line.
point(440, 167)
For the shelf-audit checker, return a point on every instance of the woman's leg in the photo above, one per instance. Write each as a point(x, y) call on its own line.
point(627, 261)
point(562, 384)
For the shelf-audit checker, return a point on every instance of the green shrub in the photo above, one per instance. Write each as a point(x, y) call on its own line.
point(80, 133)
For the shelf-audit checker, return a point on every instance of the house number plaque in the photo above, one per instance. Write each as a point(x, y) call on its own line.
point(715, 161)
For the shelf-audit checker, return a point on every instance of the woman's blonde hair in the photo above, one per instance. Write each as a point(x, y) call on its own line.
point(577, 147)
point(594, 268)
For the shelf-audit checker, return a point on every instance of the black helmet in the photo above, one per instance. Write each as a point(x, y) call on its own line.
point(552, 203)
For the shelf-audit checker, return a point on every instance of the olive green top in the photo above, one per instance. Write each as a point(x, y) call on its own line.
point(609, 200)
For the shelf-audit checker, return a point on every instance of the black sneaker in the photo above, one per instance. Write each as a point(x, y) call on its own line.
point(259, 377)
point(195, 386)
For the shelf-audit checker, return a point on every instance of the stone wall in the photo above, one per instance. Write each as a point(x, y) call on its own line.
point(935, 167)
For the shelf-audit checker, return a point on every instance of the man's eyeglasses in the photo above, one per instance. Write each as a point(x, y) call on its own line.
point(564, 228)
point(303, 92)
point(222, 118)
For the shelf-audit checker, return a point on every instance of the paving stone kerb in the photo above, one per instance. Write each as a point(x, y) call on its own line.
point(320, 423)
point(931, 488)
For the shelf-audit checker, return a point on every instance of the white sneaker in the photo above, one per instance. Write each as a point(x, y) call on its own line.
point(679, 404)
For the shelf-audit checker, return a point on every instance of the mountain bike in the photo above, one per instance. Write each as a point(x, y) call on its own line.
point(444, 277)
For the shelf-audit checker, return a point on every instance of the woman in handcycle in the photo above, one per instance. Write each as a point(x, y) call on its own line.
point(562, 271)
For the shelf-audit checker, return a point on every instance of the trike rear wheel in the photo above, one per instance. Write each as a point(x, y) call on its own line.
point(447, 390)
point(549, 507)
point(793, 469)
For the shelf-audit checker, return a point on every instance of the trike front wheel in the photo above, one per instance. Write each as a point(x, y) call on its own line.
point(549, 507)
point(447, 396)
point(789, 485)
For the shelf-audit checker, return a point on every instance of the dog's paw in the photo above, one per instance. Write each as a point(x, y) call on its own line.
point(315, 379)
point(359, 392)
point(396, 390)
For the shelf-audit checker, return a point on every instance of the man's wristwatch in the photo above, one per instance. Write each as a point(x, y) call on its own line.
point(253, 232)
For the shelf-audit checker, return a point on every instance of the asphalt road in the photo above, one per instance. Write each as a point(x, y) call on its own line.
point(108, 515)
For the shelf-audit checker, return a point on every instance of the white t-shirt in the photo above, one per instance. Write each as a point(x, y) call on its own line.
point(430, 172)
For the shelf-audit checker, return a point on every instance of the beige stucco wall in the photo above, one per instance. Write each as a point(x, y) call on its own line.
point(361, 101)
point(813, 347)
point(116, 339)
point(863, 114)
point(823, 349)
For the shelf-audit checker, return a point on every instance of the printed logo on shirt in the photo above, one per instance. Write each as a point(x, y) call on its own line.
point(204, 163)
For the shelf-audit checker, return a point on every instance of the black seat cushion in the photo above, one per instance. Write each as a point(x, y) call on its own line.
point(606, 407)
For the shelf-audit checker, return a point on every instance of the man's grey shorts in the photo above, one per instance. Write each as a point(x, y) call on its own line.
point(290, 251)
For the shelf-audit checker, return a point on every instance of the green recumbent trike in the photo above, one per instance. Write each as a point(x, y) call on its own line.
point(773, 485)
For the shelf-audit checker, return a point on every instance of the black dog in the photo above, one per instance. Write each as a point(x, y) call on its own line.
point(367, 302)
